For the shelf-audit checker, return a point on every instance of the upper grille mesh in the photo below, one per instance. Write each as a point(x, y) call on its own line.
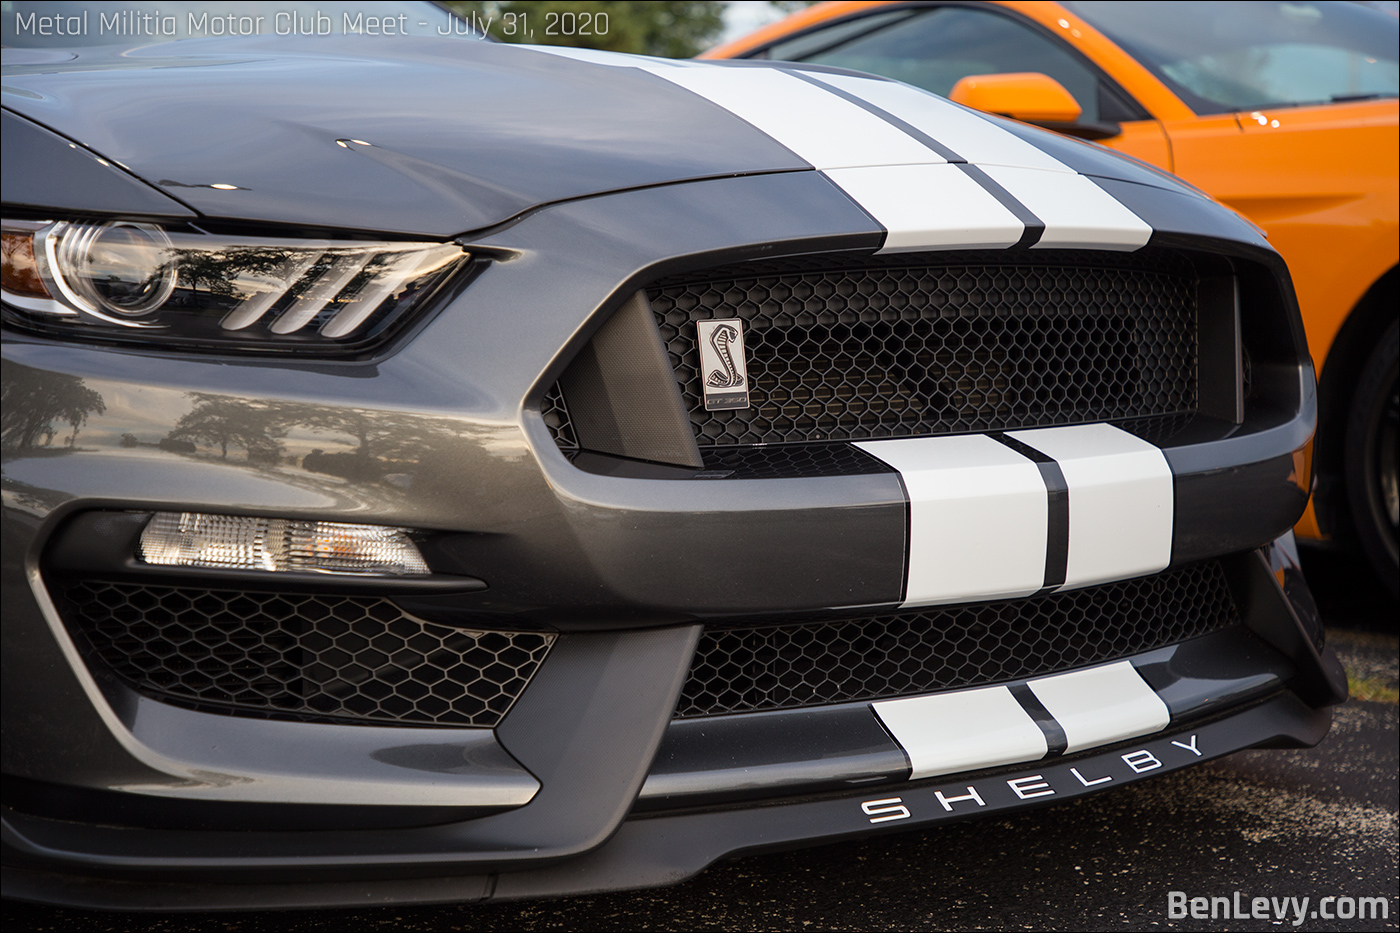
point(299, 656)
point(982, 342)
point(752, 668)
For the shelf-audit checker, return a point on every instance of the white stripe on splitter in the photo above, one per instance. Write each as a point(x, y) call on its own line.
point(978, 514)
point(1076, 212)
point(930, 207)
point(974, 138)
point(963, 731)
point(1120, 500)
point(1101, 705)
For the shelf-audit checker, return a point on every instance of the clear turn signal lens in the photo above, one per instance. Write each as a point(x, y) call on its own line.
point(234, 542)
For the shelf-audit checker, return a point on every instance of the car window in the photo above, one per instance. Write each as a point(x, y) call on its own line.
point(934, 48)
point(59, 24)
point(1224, 56)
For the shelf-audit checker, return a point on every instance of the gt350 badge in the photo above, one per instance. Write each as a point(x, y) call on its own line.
point(722, 368)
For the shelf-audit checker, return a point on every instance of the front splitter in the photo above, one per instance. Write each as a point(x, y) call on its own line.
point(665, 848)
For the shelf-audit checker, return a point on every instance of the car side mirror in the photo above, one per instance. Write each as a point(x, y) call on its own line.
point(1030, 97)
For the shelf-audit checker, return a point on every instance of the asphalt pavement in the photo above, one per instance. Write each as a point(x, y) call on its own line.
point(1293, 828)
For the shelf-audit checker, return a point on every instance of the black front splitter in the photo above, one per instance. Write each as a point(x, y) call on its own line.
point(665, 848)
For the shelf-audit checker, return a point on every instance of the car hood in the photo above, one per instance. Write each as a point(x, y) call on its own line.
point(414, 135)
point(410, 135)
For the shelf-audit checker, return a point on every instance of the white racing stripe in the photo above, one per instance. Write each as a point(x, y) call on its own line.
point(1120, 501)
point(962, 731)
point(1076, 212)
point(1101, 705)
point(972, 137)
point(930, 207)
point(986, 727)
point(817, 125)
point(820, 127)
point(893, 175)
point(978, 516)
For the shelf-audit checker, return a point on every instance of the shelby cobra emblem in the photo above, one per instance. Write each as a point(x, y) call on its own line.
point(722, 364)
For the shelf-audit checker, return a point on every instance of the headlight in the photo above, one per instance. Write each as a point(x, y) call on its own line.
point(137, 281)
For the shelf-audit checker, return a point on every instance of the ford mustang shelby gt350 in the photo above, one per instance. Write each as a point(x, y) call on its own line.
point(444, 470)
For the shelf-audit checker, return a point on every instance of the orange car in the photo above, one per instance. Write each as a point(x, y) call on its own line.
point(1286, 111)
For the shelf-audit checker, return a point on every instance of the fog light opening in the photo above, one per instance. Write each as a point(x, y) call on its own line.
point(235, 542)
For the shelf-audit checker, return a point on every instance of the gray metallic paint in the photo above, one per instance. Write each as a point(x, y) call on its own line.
point(61, 175)
point(447, 420)
point(472, 457)
point(463, 135)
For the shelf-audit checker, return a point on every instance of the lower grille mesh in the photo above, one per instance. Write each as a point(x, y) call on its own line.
point(297, 656)
point(753, 668)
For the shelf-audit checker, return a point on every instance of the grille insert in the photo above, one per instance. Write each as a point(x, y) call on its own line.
point(556, 417)
point(793, 460)
point(752, 668)
point(981, 342)
point(298, 656)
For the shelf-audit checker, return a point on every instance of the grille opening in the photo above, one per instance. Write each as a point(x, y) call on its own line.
point(300, 656)
point(954, 344)
point(750, 668)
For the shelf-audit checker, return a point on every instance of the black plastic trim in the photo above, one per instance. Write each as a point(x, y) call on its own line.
point(622, 395)
point(728, 758)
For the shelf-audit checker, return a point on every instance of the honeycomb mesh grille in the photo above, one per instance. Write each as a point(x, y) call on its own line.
point(980, 342)
point(793, 460)
point(298, 656)
point(556, 418)
point(748, 669)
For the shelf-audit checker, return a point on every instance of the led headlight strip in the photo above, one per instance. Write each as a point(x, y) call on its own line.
point(123, 277)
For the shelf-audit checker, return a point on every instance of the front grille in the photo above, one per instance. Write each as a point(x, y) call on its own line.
point(751, 668)
point(297, 656)
point(839, 350)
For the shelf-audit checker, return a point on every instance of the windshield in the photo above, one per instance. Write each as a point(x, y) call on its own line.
point(1224, 56)
point(74, 24)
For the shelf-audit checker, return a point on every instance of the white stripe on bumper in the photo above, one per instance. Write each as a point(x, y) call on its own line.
point(963, 731)
point(1120, 501)
point(1101, 705)
point(978, 511)
point(978, 518)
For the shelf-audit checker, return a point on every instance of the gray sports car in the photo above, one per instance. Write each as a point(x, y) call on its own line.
point(443, 470)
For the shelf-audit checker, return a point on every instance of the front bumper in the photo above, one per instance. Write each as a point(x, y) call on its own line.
point(586, 784)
